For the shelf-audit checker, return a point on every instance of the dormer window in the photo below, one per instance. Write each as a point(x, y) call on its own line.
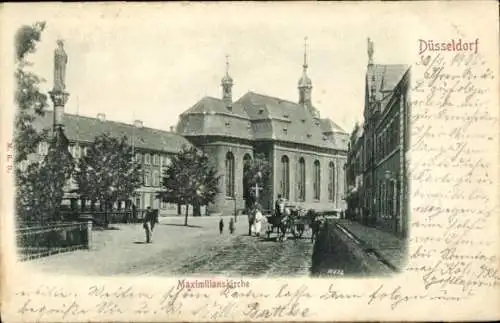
point(261, 111)
point(285, 116)
point(285, 130)
point(230, 107)
point(309, 135)
point(228, 123)
point(303, 120)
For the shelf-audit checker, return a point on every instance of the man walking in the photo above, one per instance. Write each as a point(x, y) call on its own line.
point(149, 224)
point(279, 206)
point(221, 226)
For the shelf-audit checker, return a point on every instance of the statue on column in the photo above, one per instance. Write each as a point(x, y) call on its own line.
point(60, 61)
point(370, 51)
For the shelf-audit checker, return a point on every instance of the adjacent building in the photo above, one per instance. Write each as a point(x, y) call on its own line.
point(153, 149)
point(377, 157)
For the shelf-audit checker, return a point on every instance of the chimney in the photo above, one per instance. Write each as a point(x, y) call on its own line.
point(172, 128)
point(101, 117)
point(138, 123)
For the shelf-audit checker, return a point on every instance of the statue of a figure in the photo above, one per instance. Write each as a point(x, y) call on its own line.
point(60, 61)
point(370, 50)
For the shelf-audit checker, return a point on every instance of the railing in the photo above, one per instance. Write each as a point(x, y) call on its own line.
point(101, 218)
point(44, 240)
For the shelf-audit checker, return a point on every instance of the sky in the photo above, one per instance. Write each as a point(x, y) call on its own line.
point(153, 65)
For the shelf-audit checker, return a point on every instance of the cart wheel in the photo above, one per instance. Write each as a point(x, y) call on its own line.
point(298, 231)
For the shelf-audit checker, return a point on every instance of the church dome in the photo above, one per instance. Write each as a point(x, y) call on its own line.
point(227, 79)
point(305, 81)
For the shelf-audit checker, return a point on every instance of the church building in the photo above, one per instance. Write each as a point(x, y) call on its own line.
point(307, 153)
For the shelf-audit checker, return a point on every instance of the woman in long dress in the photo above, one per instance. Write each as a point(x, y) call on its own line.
point(258, 221)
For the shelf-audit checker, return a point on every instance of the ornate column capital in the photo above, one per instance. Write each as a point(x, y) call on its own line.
point(59, 98)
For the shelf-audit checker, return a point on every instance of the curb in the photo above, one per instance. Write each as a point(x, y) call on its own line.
point(367, 248)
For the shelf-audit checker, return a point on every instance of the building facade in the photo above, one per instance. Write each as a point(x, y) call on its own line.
point(382, 149)
point(307, 153)
point(153, 149)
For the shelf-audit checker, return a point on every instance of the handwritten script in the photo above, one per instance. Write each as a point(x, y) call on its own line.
point(452, 158)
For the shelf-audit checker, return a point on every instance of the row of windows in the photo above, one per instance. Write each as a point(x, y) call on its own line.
point(388, 140)
point(78, 151)
point(301, 179)
point(152, 178)
point(285, 178)
point(155, 158)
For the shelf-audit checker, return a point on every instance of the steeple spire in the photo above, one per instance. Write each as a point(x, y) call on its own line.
point(305, 84)
point(305, 54)
point(227, 85)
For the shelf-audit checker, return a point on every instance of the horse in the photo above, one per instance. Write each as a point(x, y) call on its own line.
point(283, 223)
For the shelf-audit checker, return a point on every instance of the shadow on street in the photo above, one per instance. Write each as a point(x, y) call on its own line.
point(181, 225)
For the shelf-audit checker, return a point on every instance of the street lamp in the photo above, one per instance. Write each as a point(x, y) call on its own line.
point(235, 218)
point(389, 176)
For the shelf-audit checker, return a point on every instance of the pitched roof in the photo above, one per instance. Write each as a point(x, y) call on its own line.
point(286, 121)
point(211, 105)
point(329, 126)
point(260, 117)
point(211, 116)
point(85, 129)
point(387, 76)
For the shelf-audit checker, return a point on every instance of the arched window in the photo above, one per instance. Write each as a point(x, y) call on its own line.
point(229, 174)
point(147, 178)
point(331, 182)
point(317, 180)
point(285, 177)
point(247, 159)
point(301, 180)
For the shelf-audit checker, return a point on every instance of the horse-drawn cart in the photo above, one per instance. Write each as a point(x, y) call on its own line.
point(294, 220)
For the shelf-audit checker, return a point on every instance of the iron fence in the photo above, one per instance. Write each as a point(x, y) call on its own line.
point(48, 239)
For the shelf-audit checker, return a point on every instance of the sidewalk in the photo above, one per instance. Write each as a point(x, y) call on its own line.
point(390, 248)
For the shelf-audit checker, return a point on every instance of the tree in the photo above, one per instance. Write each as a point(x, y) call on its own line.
point(190, 179)
point(256, 171)
point(30, 101)
point(31, 104)
point(108, 172)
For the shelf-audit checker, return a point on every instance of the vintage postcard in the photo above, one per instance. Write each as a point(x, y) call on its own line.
point(167, 162)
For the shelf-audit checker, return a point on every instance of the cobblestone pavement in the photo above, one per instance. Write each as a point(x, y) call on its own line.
point(197, 249)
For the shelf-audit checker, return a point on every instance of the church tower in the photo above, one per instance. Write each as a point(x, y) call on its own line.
point(305, 84)
point(227, 85)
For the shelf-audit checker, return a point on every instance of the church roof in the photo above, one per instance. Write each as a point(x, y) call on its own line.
point(211, 105)
point(85, 129)
point(212, 116)
point(278, 119)
point(329, 126)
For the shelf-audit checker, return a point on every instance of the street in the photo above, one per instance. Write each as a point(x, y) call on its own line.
point(196, 249)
